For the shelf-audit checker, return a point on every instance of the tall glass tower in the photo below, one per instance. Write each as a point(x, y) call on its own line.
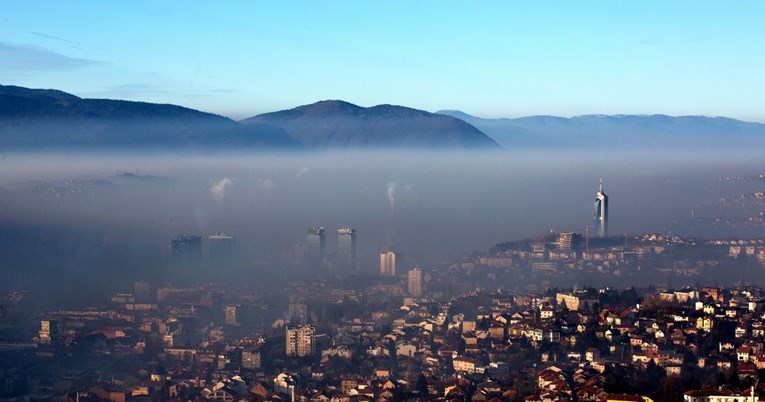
point(315, 238)
point(601, 211)
point(222, 248)
point(346, 248)
point(186, 249)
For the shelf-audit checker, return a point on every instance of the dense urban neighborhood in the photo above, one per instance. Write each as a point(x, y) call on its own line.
point(428, 334)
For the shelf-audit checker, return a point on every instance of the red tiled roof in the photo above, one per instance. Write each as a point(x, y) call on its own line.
point(708, 392)
point(621, 397)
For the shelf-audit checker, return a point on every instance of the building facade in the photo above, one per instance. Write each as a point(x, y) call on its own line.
point(567, 241)
point(346, 248)
point(231, 317)
point(300, 340)
point(415, 282)
point(49, 331)
point(142, 292)
point(186, 247)
point(250, 359)
point(388, 263)
point(222, 247)
point(317, 246)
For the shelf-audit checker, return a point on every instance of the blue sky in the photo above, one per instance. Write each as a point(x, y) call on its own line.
point(491, 59)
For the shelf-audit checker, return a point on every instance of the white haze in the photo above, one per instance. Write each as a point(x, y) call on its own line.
point(431, 208)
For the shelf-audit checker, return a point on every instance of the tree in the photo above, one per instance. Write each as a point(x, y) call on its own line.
point(629, 297)
point(669, 390)
point(421, 385)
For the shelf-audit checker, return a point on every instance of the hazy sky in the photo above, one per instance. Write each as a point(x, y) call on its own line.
point(491, 59)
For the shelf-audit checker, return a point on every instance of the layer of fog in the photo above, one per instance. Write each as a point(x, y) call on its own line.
point(431, 208)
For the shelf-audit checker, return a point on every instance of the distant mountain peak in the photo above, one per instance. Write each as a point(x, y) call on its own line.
point(13, 90)
point(455, 113)
point(330, 105)
point(340, 124)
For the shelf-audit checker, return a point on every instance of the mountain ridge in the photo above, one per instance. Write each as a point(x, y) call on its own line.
point(45, 119)
point(50, 119)
point(341, 124)
point(622, 130)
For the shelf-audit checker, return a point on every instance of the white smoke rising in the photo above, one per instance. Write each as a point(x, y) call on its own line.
point(218, 189)
point(391, 189)
point(303, 170)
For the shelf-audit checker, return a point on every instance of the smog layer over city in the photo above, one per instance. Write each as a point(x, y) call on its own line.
point(357, 202)
point(114, 214)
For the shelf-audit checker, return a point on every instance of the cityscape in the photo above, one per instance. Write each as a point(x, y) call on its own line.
point(502, 324)
point(302, 201)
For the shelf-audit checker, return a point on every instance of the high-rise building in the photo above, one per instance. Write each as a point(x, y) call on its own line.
point(317, 248)
point(601, 212)
point(222, 247)
point(49, 331)
point(231, 314)
point(388, 263)
point(186, 247)
point(300, 340)
point(142, 292)
point(346, 248)
point(251, 358)
point(415, 282)
point(567, 241)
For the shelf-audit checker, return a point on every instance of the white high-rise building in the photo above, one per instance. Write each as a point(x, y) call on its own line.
point(388, 263)
point(601, 212)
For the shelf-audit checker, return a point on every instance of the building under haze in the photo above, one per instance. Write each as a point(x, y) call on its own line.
point(601, 212)
point(415, 282)
point(142, 292)
point(388, 263)
point(186, 247)
point(222, 247)
point(49, 333)
point(346, 248)
point(567, 241)
point(300, 340)
point(231, 314)
point(317, 246)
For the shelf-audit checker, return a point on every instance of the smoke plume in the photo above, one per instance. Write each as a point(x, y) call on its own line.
point(218, 189)
point(392, 187)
